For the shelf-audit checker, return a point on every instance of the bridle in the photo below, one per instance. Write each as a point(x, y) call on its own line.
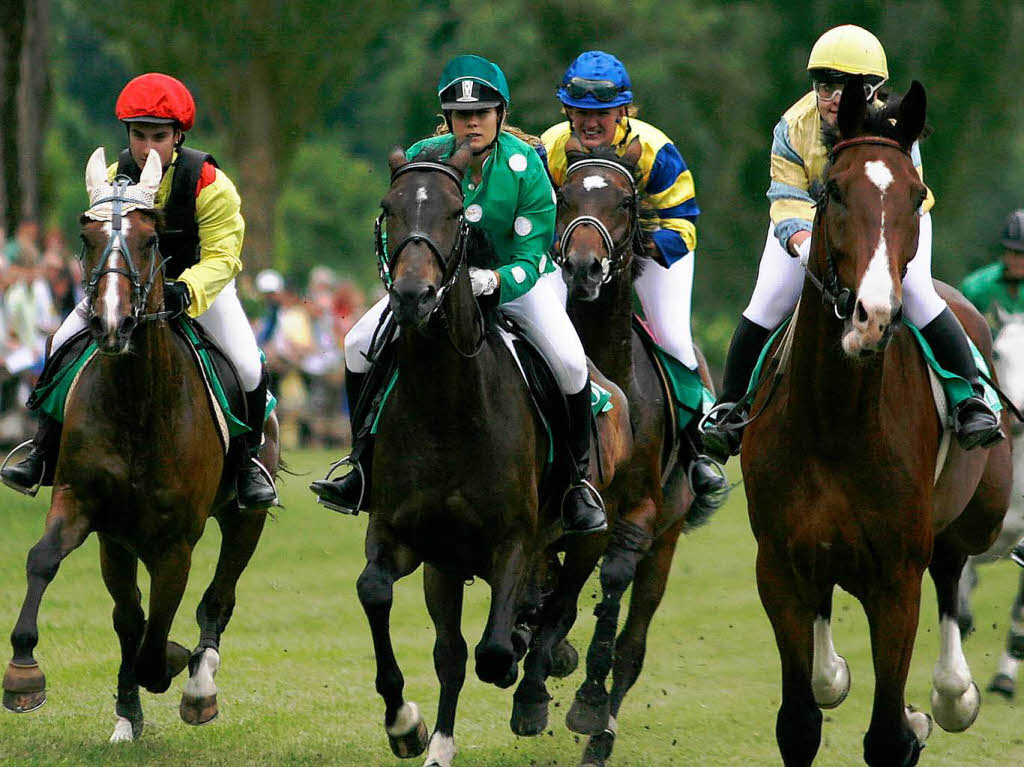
point(616, 261)
point(842, 299)
point(117, 241)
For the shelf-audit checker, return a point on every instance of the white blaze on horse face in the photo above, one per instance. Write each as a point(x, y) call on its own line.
point(421, 195)
point(594, 182)
point(111, 300)
point(876, 292)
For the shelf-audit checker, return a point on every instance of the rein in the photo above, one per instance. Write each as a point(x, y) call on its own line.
point(140, 292)
point(616, 261)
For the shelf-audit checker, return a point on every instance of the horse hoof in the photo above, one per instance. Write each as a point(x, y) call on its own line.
point(956, 714)
point(177, 659)
point(24, 687)
point(832, 695)
point(197, 711)
point(599, 746)
point(509, 679)
point(564, 659)
point(1003, 684)
point(529, 719)
point(408, 736)
point(125, 731)
point(588, 714)
point(1015, 646)
point(920, 724)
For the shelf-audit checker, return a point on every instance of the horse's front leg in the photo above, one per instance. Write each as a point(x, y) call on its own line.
point(1004, 681)
point(386, 562)
point(66, 528)
point(240, 533)
point(159, 661)
point(496, 660)
point(444, 602)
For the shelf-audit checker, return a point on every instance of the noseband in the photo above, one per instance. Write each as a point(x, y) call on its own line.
point(451, 267)
point(616, 261)
point(843, 300)
point(140, 292)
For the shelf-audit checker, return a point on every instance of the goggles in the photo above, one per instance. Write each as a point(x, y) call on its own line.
point(830, 91)
point(602, 90)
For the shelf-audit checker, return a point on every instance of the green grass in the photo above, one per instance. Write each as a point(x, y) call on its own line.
point(296, 681)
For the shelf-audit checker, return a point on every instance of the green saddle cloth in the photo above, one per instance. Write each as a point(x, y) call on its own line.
point(53, 397)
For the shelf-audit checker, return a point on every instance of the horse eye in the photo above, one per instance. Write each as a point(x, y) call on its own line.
point(833, 191)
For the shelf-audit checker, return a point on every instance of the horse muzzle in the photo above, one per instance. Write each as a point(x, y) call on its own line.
point(412, 302)
point(870, 328)
point(583, 276)
point(112, 339)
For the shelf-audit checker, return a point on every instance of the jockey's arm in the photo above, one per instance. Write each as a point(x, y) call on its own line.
point(792, 209)
point(533, 231)
point(670, 191)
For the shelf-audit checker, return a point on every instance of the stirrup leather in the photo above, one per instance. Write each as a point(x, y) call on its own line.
point(346, 461)
point(29, 491)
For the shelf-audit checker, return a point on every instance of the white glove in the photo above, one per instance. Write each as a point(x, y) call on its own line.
point(803, 251)
point(484, 281)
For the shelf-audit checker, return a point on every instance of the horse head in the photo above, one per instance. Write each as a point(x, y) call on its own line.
point(119, 244)
point(426, 233)
point(866, 229)
point(1008, 348)
point(598, 216)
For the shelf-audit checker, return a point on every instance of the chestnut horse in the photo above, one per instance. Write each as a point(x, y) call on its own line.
point(141, 465)
point(839, 461)
point(602, 247)
point(460, 456)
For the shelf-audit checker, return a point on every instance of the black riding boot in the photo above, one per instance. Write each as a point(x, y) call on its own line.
point(26, 475)
point(975, 423)
point(255, 487)
point(720, 439)
point(351, 493)
point(582, 507)
point(705, 477)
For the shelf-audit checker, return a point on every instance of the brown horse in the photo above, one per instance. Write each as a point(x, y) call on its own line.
point(141, 465)
point(460, 458)
point(840, 459)
point(602, 247)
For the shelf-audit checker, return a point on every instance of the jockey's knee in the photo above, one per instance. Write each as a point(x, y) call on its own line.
point(250, 371)
point(356, 346)
point(572, 374)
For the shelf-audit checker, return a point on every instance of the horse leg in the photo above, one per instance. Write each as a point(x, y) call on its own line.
point(24, 684)
point(968, 582)
point(629, 542)
point(444, 603)
point(955, 696)
point(386, 563)
point(240, 533)
point(158, 660)
point(496, 660)
point(1005, 680)
point(120, 575)
point(830, 673)
point(897, 732)
point(631, 646)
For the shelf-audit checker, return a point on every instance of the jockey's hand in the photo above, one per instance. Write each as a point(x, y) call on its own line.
point(176, 298)
point(803, 251)
point(484, 281)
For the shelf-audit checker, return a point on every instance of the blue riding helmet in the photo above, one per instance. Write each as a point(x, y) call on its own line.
point(595, 80)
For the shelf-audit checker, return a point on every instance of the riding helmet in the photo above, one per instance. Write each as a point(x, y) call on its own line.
point(156, 98)
point(596, 66)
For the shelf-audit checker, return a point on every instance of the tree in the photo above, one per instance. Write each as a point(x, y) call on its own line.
point(12, 26)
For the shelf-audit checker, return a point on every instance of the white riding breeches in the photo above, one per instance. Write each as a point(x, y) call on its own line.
point(224, 320)
point(539, 312)
point(780, 280)
point(665, 295)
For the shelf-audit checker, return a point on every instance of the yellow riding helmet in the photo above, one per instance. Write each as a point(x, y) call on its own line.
point(850, 49)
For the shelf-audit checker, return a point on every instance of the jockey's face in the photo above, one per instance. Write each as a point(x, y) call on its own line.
point(480, 126)
point(829, 110)
point(145, 136)
point(1014, 264)
point(595, 127)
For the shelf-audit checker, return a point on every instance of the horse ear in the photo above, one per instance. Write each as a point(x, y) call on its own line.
point(396, 158)
point(632, 154)
point(853, 107)
point(96, 171)
point(460, 159)
point(911, 114)
point(151, 174)
point(574, 144)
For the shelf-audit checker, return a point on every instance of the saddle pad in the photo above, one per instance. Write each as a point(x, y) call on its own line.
point(684, 386)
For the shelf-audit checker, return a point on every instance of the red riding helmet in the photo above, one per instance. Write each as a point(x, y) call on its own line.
point(156, 98)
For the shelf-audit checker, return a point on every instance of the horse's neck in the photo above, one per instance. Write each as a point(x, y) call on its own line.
point(150, 373)
point(605, 327)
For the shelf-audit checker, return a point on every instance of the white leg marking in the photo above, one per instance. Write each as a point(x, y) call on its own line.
point(407, 719)
point(201, 684)
point(122, 731)
point(830, 675)
point(441, 752)
point(920, 723)
point(955, 697)
point(1008, 665)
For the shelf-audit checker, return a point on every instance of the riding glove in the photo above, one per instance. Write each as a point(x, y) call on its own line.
point(803, 251)
point(176, 298)
point(484, 281)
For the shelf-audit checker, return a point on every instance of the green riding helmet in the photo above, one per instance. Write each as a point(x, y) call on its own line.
point(472, 82)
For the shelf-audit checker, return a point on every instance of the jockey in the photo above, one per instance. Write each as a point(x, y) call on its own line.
point(596, 95)
point(508, 195)
point(999, 284)
point(799, 154)
point(203, 247)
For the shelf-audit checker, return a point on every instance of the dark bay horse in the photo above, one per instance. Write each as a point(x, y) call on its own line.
point(141, 465)
point(840, 459)
point(601, 249)
point(460, 457)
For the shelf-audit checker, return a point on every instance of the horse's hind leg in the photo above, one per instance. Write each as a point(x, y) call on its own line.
point(444, 602)
point(955, 696)
point(159, 661)
point(120, 575)
point(1004, 682)
point(240, 533)
point(24, 684)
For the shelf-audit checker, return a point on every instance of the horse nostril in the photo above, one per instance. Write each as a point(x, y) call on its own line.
point(126, 326)
point(95, 325)
point(427, 294)
point(862, 314)
point(595, 268)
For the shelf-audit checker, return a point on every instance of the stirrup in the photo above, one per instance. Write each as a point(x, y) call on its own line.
point(719, 469)
point(593, 492)
point(29, 491)
point(346, 461)
point(711, 419)
point(266, 473)
point(1017, 553)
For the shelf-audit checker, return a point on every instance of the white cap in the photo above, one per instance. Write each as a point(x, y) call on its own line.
point(269, 281)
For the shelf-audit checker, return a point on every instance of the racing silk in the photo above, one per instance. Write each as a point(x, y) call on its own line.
point(514, 204)
point(220, 230)
point(662, 178)
point(798, 159)
point(987, 288)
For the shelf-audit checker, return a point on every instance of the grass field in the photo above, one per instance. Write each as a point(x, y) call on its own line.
point(296, 681)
